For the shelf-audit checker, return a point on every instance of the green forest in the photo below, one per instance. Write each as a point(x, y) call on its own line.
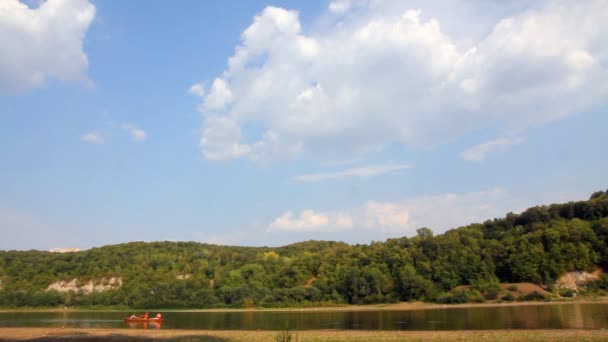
point(537, 246)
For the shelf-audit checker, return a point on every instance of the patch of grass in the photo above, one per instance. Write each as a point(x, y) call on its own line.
point(286, 336)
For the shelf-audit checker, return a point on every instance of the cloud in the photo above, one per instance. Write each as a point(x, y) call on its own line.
point(220, 139)
point(386, 215)
point(311, 221)
point(42, 43)
point(137, 134)
point(366, 171)
point(197, 89)
point(219, 96)
point(94, 138)
point(339, 6)
point(478, 152)
point(344, 161)
point(392, 75)
point(451, 210)
point(402, 218)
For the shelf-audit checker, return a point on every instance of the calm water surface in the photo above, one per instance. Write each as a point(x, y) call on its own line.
point(554, 316)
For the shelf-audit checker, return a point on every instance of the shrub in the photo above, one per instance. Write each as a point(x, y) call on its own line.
point(566, 292)
point(458, 296)
point(509, 297)
point(603, 281)
point(489, 290)
point(512, 288)
point(533, 296)
point(285, 336)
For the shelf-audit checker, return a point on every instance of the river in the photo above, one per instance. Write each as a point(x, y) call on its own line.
point(541, 316)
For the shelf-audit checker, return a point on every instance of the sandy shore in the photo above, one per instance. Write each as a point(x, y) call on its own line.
point(69, 334)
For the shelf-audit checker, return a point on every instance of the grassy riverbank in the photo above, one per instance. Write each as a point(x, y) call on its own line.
point(60, 334)
point(404, 306)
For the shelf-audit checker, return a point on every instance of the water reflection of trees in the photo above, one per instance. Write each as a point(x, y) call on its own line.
point(526, 316)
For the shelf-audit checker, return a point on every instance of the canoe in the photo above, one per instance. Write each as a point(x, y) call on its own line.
point(143, 319)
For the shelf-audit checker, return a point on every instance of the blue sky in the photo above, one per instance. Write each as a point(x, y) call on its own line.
point(266, 123)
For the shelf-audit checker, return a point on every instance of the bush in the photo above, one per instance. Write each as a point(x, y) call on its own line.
point(285, 336)
point(533, 296)
point(509, 297)
point(512, 288)
point(458, 296)
point(603, 281)
point(566, 292)
point(489, 290)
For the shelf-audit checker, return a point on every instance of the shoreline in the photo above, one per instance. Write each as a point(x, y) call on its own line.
point(102, 334)
point(403, 306)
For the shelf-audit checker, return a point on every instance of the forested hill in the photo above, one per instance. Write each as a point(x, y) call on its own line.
point(536, 246)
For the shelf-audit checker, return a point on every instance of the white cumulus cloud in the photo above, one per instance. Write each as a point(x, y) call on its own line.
point(478, 152)
point(221, 139)
point(386, 215)
point(43, 42)
point(219, 96)
point(137, 134)
point(339, 6)
point(311, 221)
point(197, 89)
point(92, 137)
point(451, 210)
point(402, 218)
point(396, 75)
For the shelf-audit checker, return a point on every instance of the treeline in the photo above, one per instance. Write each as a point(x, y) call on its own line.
point(538, 245)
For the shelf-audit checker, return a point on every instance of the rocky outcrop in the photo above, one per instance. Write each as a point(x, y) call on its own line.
point(74, 285)
point(64, 250)
point(575, 280)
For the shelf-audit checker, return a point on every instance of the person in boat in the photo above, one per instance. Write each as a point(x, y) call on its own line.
point(133, 316)
point(158, 316)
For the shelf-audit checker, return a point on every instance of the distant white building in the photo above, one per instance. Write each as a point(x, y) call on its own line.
point(64, 250)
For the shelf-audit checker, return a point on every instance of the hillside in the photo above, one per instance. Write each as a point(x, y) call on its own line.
point(536, 246)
